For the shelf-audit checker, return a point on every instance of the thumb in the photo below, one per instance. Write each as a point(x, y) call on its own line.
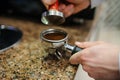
point(48, 2)
point(75, 58)
point(87, 44)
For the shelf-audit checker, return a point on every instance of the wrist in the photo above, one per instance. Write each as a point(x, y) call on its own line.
point(119, 62)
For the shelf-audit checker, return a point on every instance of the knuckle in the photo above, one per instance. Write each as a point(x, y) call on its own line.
point(86, 68)
point(91, 75)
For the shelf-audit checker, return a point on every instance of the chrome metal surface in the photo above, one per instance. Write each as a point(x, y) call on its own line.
point(48, 31)
point(52, 17)
point(69, 47)
point(56, 47)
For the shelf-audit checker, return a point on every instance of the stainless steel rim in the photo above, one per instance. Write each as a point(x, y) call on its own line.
point(52, 13)
point(53, 31)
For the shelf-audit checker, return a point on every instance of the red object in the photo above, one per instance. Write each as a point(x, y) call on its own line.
point(54, 6)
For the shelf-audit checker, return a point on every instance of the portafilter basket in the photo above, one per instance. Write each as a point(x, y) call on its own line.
point(58, 39)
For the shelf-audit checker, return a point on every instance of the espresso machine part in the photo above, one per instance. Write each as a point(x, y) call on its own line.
point(69, 48)
point(55, 39)
point(58, 39)
point(53, 16)
point(72, 49)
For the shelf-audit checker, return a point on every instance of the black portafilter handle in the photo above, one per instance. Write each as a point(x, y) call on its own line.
point(72, 49)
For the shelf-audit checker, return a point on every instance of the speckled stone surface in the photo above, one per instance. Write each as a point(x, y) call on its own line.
point(29, 61)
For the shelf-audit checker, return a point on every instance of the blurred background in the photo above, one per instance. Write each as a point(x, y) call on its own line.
point(32, 10)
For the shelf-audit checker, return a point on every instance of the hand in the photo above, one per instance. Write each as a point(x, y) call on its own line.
point(98, 59)
point(73, 7)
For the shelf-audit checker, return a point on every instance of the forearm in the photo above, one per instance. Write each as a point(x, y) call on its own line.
point(95, 3)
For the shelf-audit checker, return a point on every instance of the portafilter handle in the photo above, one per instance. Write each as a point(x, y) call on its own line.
point(72, 49)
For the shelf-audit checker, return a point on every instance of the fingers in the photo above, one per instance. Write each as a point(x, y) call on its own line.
point(48, 2)
point(72, 6)
point(75, 59)
point(79, 57)
point(67, 10)
point(83, 4)
point(87, 44)
point(75, 1)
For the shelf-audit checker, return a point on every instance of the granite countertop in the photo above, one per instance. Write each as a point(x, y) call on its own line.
point(27, 60)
